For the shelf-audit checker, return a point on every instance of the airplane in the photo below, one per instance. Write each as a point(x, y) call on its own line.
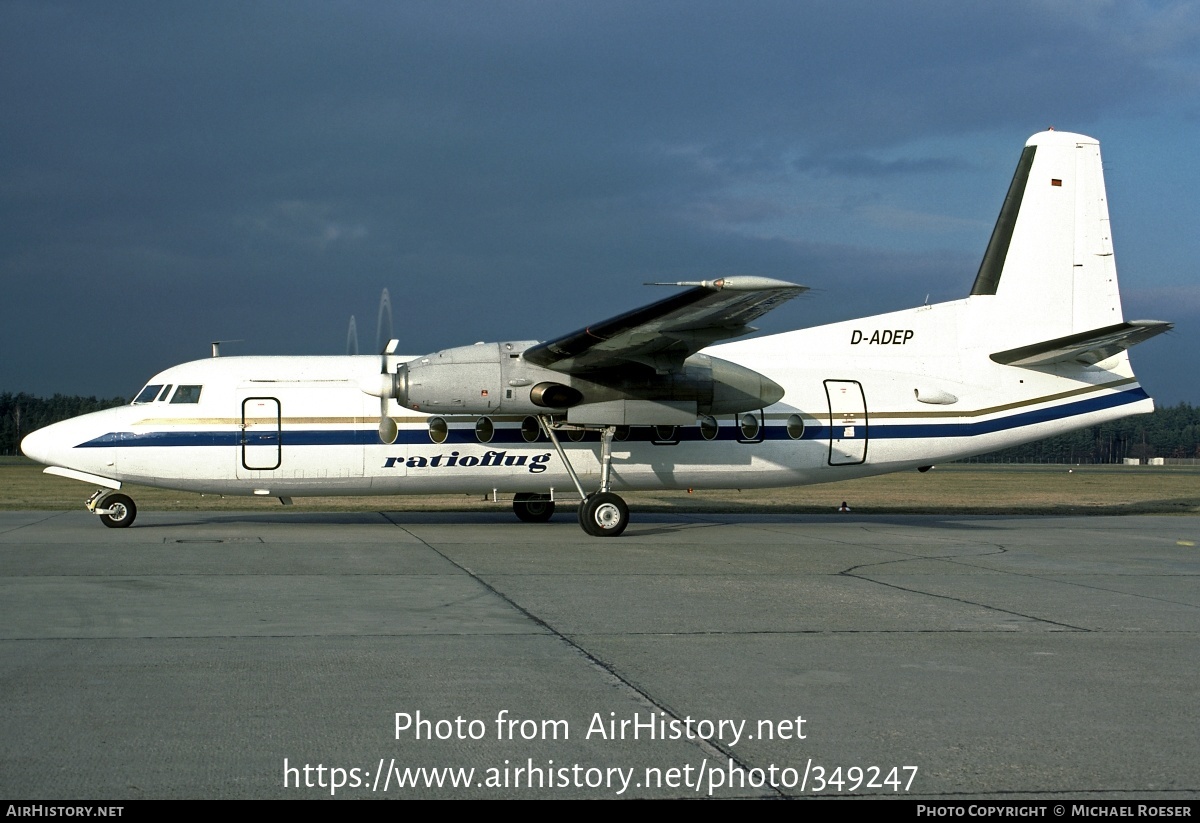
point(662, 397)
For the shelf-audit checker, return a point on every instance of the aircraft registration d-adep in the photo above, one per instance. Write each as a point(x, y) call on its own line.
point(645, 400)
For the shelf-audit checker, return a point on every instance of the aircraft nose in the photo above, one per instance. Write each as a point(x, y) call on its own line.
point(40, 445)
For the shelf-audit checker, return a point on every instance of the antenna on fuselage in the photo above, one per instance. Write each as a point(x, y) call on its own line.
point(216, 346)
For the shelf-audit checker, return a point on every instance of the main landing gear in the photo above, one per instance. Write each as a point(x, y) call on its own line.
point(533, 508)
point(602, 514)
point(116, 511)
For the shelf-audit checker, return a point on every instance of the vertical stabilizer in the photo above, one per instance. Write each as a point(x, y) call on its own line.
point(1049, 264)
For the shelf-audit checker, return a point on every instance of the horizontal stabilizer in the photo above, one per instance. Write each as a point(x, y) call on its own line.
point(1088, 347)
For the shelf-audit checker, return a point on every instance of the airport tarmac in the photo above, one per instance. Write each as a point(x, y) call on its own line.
point(217, 655)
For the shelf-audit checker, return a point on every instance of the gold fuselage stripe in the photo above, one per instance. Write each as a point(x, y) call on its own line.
point(873, 415)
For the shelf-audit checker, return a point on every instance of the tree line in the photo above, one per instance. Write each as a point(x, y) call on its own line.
point(22, 413)
point(1173, 431)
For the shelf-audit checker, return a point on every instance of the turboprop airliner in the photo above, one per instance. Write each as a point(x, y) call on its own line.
point(653, 398)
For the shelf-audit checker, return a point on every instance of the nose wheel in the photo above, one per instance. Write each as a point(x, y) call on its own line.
point(116, 511)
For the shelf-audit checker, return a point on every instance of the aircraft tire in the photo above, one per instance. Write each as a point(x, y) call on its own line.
point(533, 508)
point(125, 512)
point(603, 515)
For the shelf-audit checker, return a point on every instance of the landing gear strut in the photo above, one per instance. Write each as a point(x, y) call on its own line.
point(602, 514)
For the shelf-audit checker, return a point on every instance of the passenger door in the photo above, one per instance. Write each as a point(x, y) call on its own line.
point(847, 422)
point(261, 435)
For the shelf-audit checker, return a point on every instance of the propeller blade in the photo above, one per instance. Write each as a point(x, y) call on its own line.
point(388, 429)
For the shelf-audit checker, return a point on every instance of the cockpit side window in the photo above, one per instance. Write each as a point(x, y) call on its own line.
point(187, 394)
point(148, 394)
point(163, 394)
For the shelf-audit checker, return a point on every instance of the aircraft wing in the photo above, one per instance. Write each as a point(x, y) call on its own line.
point(664, 334)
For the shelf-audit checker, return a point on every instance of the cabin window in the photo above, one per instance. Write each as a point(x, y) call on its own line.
point(749, 426)
point(708, 427)
point(187, 394)
point(795, 427)
point(622, 433)
point(576, 434)
point(530, 430)
point(438, 430)
point(148, 394)
point(484, 430)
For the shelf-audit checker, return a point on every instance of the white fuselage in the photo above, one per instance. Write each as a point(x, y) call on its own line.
point(863, 397)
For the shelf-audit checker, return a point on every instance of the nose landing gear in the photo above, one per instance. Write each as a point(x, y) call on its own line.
point(117, 511)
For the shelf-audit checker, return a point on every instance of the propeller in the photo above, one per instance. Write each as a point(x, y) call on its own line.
point(388, 429)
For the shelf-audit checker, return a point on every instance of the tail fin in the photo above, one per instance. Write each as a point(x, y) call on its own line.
point(1050, 257)
point(1049, 264)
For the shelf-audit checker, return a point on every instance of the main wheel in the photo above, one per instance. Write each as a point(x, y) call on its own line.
point(533, 508)
point(603, 514)
point(123, 511)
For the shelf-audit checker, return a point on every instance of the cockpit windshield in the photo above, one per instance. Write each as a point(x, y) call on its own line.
point(148, 394)
point(157, 392)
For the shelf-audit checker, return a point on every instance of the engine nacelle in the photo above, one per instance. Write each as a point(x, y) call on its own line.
point(462, 380)
point(493, 378)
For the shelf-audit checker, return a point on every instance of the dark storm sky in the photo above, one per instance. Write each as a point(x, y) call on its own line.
point(177, 173)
